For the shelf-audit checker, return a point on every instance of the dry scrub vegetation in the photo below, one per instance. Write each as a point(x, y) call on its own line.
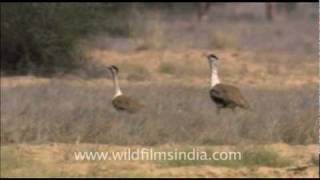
point(63, 110)
point(162, 63)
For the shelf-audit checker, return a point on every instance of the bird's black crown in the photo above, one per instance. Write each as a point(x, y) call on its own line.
point(213, 56)
point(115, 68)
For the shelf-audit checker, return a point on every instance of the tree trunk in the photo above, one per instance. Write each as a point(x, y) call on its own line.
point(269, 11)
point(203, 9)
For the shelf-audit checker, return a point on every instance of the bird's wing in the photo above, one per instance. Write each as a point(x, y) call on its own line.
point(120, 102)
point(229, 93)
point(219, 93)
point(126, 103)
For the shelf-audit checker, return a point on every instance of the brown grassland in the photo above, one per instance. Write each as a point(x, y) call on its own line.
point(45, 119)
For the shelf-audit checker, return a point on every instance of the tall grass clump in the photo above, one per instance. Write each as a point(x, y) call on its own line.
point(167, 68)
point(315, 160)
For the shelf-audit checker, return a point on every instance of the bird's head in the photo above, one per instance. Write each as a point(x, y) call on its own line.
point(212, 59)
point(114, 69)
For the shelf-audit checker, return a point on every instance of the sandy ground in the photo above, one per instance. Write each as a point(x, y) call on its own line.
point(56, 160)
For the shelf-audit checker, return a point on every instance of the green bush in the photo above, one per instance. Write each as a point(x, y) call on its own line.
point(41, 38)
point(167, 68)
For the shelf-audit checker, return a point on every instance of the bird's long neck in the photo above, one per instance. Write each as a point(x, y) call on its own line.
point(117, 90)
point(214, 79)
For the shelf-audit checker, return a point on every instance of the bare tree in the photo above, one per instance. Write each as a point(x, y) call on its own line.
point(270, 11)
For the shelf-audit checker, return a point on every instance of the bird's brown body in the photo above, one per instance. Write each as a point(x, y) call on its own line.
point(120, 101)
point(224, 95)
point(227, 96)
point(126, 103)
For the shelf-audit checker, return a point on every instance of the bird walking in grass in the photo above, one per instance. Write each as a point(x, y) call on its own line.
point(224, 95)
point(120, 101)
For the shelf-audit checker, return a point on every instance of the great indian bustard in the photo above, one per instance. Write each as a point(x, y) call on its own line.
point(120, 101)
point(224, 95)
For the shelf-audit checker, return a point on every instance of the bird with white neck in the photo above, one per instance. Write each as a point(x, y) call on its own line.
point(223, 95)
point(120, 101)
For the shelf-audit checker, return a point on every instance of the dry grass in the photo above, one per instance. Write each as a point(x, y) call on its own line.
point(63, 110)
point(251, 157)
point(56, 160)
point(221, 40)
point(267, 71)
point(147, 31)
point(162, 64)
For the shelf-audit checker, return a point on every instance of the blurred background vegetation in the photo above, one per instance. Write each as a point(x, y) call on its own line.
point(41, 37)
point(48, 38)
